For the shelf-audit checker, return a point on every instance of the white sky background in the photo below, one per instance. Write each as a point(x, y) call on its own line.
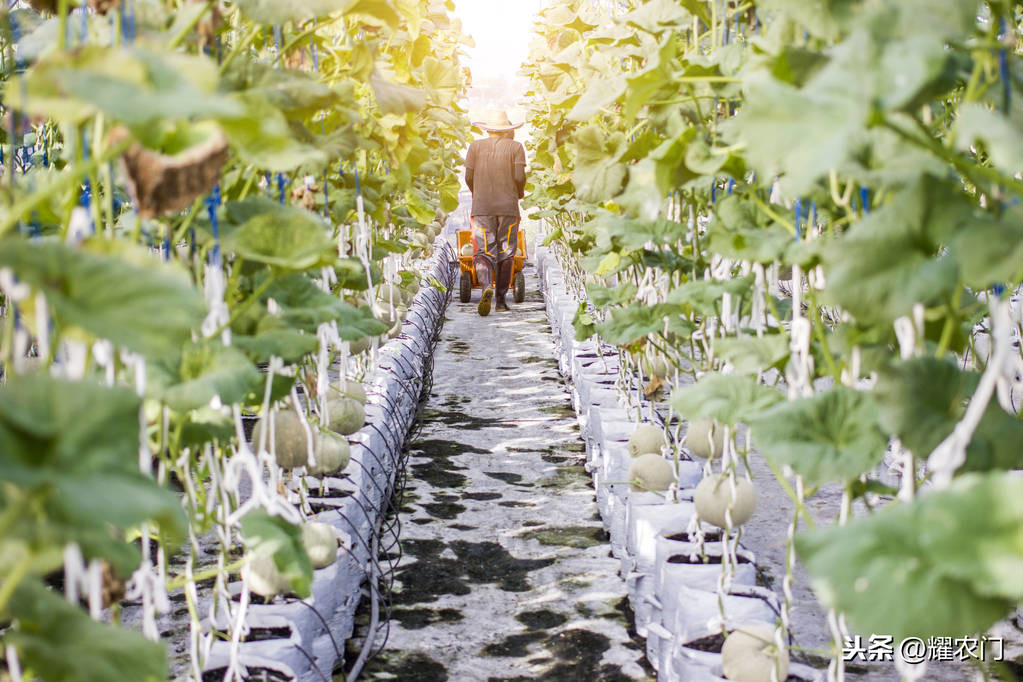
point(502, 30)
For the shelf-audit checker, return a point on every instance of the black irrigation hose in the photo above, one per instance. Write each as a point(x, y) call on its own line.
point(322, 620)
point(381, 591)
point(365, 471)
point(312, 661)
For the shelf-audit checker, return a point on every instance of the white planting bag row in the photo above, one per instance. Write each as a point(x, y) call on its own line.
point(675, 598)
point(317, 629)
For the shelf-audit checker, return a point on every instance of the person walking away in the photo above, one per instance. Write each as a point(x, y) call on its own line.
point(495, 171)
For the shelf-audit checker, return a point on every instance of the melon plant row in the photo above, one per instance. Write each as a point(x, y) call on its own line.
point(206, 208)
point(805, 219)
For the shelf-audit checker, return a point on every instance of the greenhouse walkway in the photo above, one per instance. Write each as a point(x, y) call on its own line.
point(506, 572)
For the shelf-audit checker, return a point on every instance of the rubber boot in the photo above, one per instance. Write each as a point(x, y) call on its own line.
point(485, 277)
point(504, 275)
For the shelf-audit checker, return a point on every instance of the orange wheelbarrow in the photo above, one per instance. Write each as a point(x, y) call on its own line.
point(468, 280)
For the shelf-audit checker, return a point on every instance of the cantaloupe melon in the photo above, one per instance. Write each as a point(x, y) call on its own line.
point(332, 454)
point(750, 653)
point(291, 443)
point(713, 496)
point(352, 389)
point(264, 578)
point(346, 415)
point(320, 542)
point(651, 472)
point(705, 438)
point(646, 438)
point(466, 250)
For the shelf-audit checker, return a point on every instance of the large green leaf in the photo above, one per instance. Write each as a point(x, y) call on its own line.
point(60, 643)
point(598, 173)
point(262, 137)
point(272, 12)
point(751, 354)
point(291, 345)
point(306, 306)
point(990, 251)
point(271, 535)
point(79, 426)
point(1002, 138)
point(206, 369)
point(740, 230)
point(130, 85)
point(890, 260)
point(657, 15)
point(830, 437)
point(614, 230)
point(155, 315)
point(625, 325)
point(728, 398)
point(75, 447)
point(922, 400)
point(702, 296)
point(281, 236)
point(602, 94)
point(442, 80)
point(949, 564)
point(395, 98)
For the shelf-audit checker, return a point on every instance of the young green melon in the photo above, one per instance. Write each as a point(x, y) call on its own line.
point(699, 437)
point(656, 366)
point(347, 415)
point(466, 250)
point(387, 291)
point(750, 652)
point(713, 496)
point(291, 443)
point(360, 346)
point(646, 438)
point(264, 578)
point(398, 325)
point(332, 454)
point(352, 389)
point(383, 313)
point(650, 472)
point(420, 239)
point(320, 542)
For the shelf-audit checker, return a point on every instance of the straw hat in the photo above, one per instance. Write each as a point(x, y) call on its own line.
point(496, 121)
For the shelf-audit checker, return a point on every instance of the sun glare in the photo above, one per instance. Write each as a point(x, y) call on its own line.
point(502, 32)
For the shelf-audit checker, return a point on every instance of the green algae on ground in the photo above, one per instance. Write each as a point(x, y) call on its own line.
point(388, 665)
point(513, 646)
point(482, 497)
point(513, 479)
point(467, 422)
point(419, 618)
point(543, 619)
point(434, 463)
point(579, 537)
point(566, 477)
point(443, 510)
point(432, 575)
point(565, 410)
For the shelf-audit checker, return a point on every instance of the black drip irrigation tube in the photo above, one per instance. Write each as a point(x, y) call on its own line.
point(367, 514)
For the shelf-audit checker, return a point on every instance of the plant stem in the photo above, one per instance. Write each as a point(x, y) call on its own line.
point(181, 581)
point(61, 184)
point(177, 39)
point(976, 174)
point(14, 578)
point(244, 305)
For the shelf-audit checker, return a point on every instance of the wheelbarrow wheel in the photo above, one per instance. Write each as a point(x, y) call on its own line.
point(520, 287)
point(465, 288)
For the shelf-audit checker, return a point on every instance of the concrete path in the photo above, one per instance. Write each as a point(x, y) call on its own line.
point(506, 572)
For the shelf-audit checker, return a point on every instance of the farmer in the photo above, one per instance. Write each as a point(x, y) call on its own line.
point(495, 171)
